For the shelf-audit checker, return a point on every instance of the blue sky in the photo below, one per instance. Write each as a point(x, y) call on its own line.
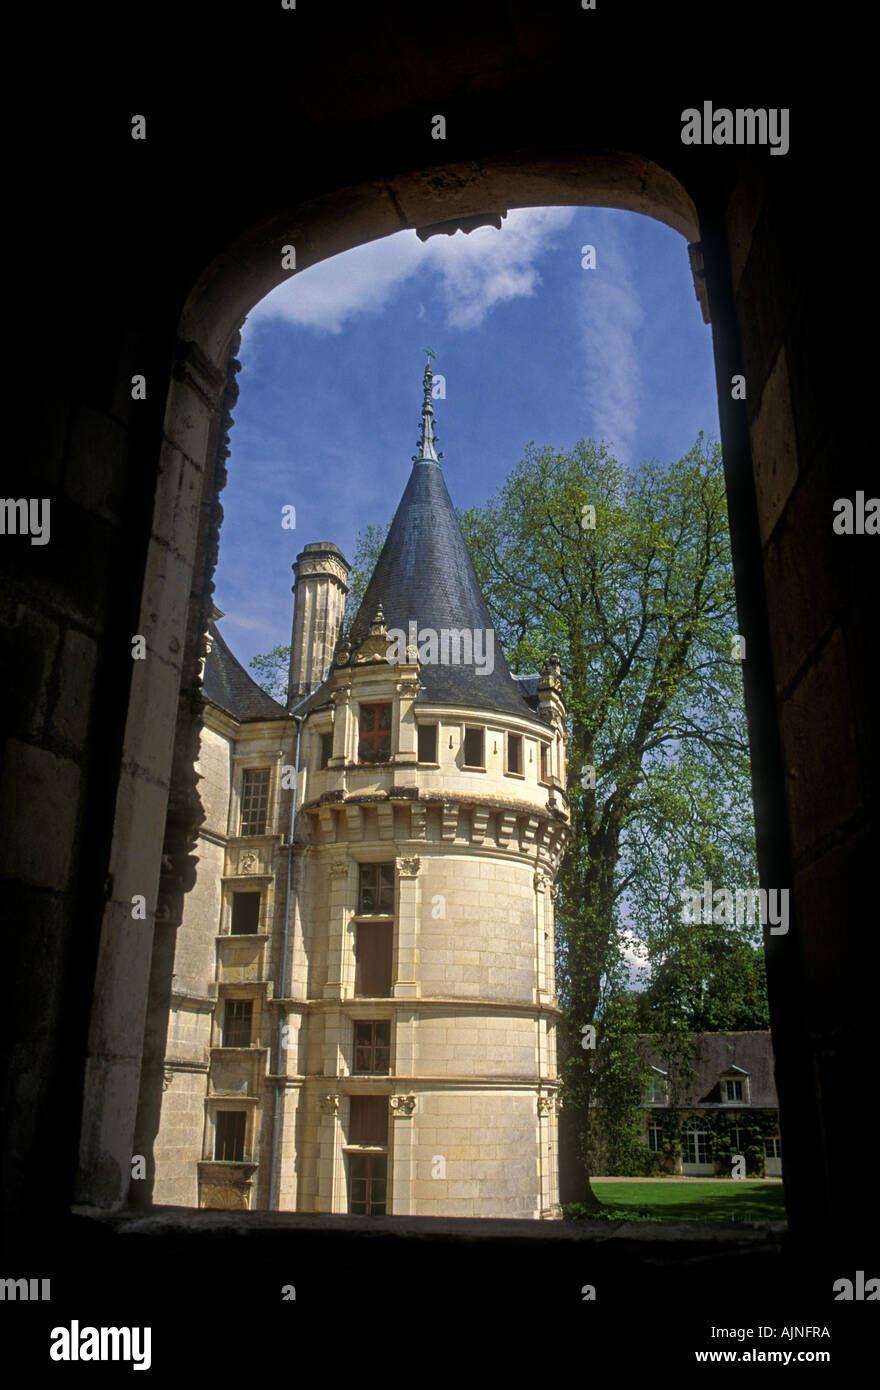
point(531, 345)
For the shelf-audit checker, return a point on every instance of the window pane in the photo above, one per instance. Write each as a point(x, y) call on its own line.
point(326, 749)
point(377, 888)
point(386, 887)
point(237, 1022)
point(254, 800)
point(374, 733)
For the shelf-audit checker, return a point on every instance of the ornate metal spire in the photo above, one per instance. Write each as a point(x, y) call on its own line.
point(427, 452)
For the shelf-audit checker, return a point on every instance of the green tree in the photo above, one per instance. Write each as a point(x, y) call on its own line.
point(637, 597)
point(720, 988)
point(271, 672)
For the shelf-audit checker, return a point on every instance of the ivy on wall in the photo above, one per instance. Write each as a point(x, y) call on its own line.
point(756, 1125)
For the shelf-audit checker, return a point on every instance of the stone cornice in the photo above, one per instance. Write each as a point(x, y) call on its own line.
point(436, 798)
point(367, 1007)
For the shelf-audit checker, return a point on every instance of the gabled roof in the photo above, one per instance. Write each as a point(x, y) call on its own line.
point(227, 684)
point(719, 1055)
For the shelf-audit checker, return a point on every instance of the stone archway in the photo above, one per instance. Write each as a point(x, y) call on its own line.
point(151, 856)
point(126, 1039)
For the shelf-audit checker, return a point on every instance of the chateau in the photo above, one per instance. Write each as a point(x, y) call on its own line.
point(363, 1006)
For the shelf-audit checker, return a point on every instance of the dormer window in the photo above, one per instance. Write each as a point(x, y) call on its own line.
point(655, 1090)
point(374, 733)
point(733, 1090)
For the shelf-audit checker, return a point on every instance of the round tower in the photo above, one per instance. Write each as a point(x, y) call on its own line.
point(433, 818)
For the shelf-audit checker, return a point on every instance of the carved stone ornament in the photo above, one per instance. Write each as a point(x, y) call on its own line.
point(403, 1105)
point(338, 867)
point(410, 867)
point(540, 880)
point(167, 1078)
point(545, 1106)
point(329, 1104)
point(247, 864)
point(554, 891)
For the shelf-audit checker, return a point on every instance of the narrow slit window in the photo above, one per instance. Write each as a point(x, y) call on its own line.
point(427, 743)
point(514, 753)
point(545, 762)
point(473, 748)
point(326, 750)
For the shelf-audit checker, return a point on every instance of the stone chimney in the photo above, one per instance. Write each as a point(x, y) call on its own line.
point(319, 592)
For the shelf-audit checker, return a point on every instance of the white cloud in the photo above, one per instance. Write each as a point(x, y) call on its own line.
point(489, 267)
point(611, 316)
point(476, 272)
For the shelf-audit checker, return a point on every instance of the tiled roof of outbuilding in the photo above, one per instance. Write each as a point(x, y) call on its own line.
point(720, 1054)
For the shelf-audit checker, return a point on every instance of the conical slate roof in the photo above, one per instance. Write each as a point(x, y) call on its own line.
point(425, 575)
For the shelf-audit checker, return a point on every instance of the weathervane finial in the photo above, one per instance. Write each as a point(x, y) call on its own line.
point(427, 452)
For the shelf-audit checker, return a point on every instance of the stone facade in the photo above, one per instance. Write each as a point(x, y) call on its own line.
point(462, 1083)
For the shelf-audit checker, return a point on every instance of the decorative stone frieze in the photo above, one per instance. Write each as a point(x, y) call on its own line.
point(409, 867)
point(403, 1106)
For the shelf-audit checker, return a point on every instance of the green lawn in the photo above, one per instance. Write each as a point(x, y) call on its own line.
point(676, 1201)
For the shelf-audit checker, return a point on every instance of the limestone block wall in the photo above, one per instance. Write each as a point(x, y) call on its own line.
point(489, 1144)
point(179, 1141)
point(462, 1043)
point(484, 945)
